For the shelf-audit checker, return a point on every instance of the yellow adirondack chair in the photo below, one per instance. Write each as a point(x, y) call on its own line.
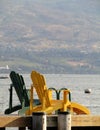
point(49, 105)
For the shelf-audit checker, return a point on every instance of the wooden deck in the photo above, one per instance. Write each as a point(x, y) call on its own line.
point(26, 121)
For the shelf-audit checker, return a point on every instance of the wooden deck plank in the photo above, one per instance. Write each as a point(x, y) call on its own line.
point(15, 121)
point(86, 120)
point(26, 121)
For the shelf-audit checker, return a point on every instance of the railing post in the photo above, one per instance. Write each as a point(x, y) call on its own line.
point(39, 121)
point(64, 121)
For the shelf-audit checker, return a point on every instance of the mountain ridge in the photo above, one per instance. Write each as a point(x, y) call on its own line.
point(50, 36)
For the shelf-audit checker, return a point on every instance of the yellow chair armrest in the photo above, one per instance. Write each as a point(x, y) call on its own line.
point(66, 99)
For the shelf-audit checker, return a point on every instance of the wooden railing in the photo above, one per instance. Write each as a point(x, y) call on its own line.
point(52, 121)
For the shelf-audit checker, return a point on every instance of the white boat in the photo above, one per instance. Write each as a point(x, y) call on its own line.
point(4, 67)
point(4, 72)
point(4, 77)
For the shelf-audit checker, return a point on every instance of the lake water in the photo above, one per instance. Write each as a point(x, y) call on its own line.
point(76, 83)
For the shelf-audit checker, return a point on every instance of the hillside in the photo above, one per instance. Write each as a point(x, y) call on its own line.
point(61, 36)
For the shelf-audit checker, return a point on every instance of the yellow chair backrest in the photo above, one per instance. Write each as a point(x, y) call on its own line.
point(41, 88)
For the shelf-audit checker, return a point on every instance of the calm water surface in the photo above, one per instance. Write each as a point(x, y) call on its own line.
point(76, 83)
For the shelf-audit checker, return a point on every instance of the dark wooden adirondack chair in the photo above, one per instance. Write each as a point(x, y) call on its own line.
point(23, 95)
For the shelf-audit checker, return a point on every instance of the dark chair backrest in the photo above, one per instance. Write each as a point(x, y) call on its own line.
point(20, 88)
